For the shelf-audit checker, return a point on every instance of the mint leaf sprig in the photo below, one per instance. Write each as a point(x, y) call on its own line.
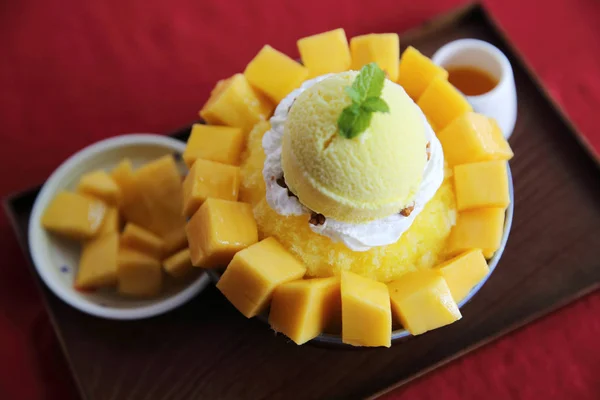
point(365, 94)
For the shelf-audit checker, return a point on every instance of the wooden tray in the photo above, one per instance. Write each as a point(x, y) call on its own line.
point(206, 349)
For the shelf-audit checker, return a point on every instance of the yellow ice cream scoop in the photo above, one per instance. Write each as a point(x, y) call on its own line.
point(368, 177)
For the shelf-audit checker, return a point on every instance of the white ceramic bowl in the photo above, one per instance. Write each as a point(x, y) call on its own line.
point(56, 259)
point(499, 103)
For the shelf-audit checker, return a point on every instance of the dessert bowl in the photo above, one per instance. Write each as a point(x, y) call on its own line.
point(56, 259)
point(364, 187)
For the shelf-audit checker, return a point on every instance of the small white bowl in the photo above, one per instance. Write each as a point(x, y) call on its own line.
point(56, 259)
point(499, 103)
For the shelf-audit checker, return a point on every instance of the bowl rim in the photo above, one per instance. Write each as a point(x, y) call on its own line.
point(399, 335)
point(36, 234)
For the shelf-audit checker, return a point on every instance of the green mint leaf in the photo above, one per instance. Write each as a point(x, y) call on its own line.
point(365, 94)
point(361, 124)
point(353, 121)
point(348, 119)
point(369, 82)
point(375, 104)
point(354, 95)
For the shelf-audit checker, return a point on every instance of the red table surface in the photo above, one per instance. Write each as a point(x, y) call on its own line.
point(74, 72)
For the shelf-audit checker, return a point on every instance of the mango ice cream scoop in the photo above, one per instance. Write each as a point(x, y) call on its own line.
point(358, 180)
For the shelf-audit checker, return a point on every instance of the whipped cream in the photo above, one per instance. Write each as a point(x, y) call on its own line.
point(357, 237)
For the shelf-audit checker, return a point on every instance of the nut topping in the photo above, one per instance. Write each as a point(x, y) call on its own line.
point(407, 211)
point(316, 219)
point(281, 182)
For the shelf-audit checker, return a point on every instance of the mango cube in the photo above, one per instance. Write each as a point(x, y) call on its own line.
point(214, 143)
point(111, 223)
point(481, 228)
point(442, 103)
point(480, 185)
point(74, 216)
point(122, 175)
point(302, 309)
point(255, 272)
point(98, 263)
point(366, 315)
point(422, 301)
point(158, 184)
point(252, 178)
point(218, 230)
point(463, 272)
point(324, 53)
point(123, 172)
point(141, 240)
point(473, 137)
point(274, 73)
point(179, 265)
point(132, 206)
point(138, 275)
point(100, 185)
point(152, 195)
point(233, 102)
point(380, 48)
point(209, 179)
point(175, 241)
point(416, 72)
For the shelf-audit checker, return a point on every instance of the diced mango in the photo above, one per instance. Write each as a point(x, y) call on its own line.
point(442, 103)
point(138, 239)
point(233, 102)
point(175, 241)
point(480, 185)
point(132, 206)
point(98, 262)
point(251, 179)
point(422, 301)
point(416, 72)
point(158, 183)
point(111, 223)
point(209, 179)
point(274, 73)
point(100, 185)
point(74, 216)
point(463, 272)
point(139, 275)
point(473, 137)
point(302, 309)
point(179, 265)
point(481, 228)
point(255, 272)
point(215, 143)
point(366, 315)
point(324, 53)
point(122, 175)
point(218, 230)
point(380, 48)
